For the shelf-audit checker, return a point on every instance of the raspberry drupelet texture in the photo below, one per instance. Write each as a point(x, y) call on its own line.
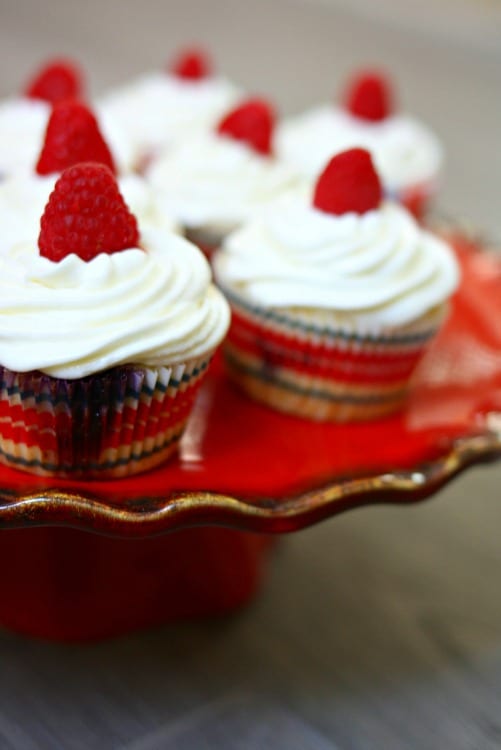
point(349, 183)
point(193, 64)
point(86, 215)
point(253, 123)
point(369, 96)
point(72, 136)
point(57, 80)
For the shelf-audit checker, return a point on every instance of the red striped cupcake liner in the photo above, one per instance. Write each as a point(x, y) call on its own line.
point(112, 424)
point(301, 367)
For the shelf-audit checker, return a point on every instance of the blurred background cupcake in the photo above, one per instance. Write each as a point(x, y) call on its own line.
point(218, 179)
point(408, 156)
point(72, 135)
point(160, 108)
point(24, 118)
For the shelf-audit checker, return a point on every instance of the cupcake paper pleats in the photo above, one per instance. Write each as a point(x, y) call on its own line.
point(112, 424)
point(321, 373)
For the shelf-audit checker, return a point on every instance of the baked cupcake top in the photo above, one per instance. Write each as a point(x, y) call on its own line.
point(72, 135)
point(163, 107)
point(24, 118)
point(347, 252)
point(219, 179)
point(406, 153)
point(100, 291)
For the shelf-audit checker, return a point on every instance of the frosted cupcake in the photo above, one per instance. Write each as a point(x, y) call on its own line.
point(216, 181)
point(72, 136)
point(161, 108)
point(333, 302)
point(106, 330)
point(407, 155)
point(23, 119)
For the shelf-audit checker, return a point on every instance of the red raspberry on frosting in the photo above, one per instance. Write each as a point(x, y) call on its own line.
point(192, 64)
point(252, 122)
point(349, 183)
point(57, 80)
point(72, 136)
point(370, 97)
point(86, 215)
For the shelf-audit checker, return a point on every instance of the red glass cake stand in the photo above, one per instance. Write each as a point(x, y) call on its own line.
point(91, 559)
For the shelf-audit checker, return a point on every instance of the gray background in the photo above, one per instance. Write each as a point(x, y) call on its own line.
point(381, 628)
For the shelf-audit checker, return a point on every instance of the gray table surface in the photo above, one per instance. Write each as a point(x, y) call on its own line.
point(378, 629)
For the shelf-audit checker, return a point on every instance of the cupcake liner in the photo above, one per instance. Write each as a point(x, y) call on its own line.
point(298, 366)
point(111, 424)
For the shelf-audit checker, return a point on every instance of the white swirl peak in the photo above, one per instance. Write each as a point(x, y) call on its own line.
point(370, 272)
point(405, 152)
point(215, 182)
point(22, 129)
point(159, 109)
point(154, 307)
point(23, 123)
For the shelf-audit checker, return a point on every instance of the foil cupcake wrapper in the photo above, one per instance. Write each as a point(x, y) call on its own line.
point(298, 366)
point(111, 424)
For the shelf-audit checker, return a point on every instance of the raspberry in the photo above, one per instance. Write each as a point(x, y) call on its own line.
point(193, 64)
point(348, 183)
point(57, 80)
point(72, 136)
point(86, 215)
point(252, 122)
point(370, 97)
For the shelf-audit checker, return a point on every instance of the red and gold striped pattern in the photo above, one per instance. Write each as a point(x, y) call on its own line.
point(320, 373)
point(111, 424)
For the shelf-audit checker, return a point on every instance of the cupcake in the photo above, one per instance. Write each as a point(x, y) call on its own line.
point(334, 301)
point(23, 119)
point(407, 155)
point(106, 331)
point(161, 108)
point(218, 180)
point(72, 136)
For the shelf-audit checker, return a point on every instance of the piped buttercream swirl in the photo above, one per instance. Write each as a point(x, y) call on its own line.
point(369, 272)
point(23, 123)
point(22, 128)
point(154, 307)
point(158, 109)
point(215, 182)
point(405, 152)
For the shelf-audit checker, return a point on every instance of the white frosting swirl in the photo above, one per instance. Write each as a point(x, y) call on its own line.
point(73, 318)
point(159, 109)
point(405, 152)
point(371, 272)
point(23, 123)
point(215, 182)
point(22, 129)
point(23, 200)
